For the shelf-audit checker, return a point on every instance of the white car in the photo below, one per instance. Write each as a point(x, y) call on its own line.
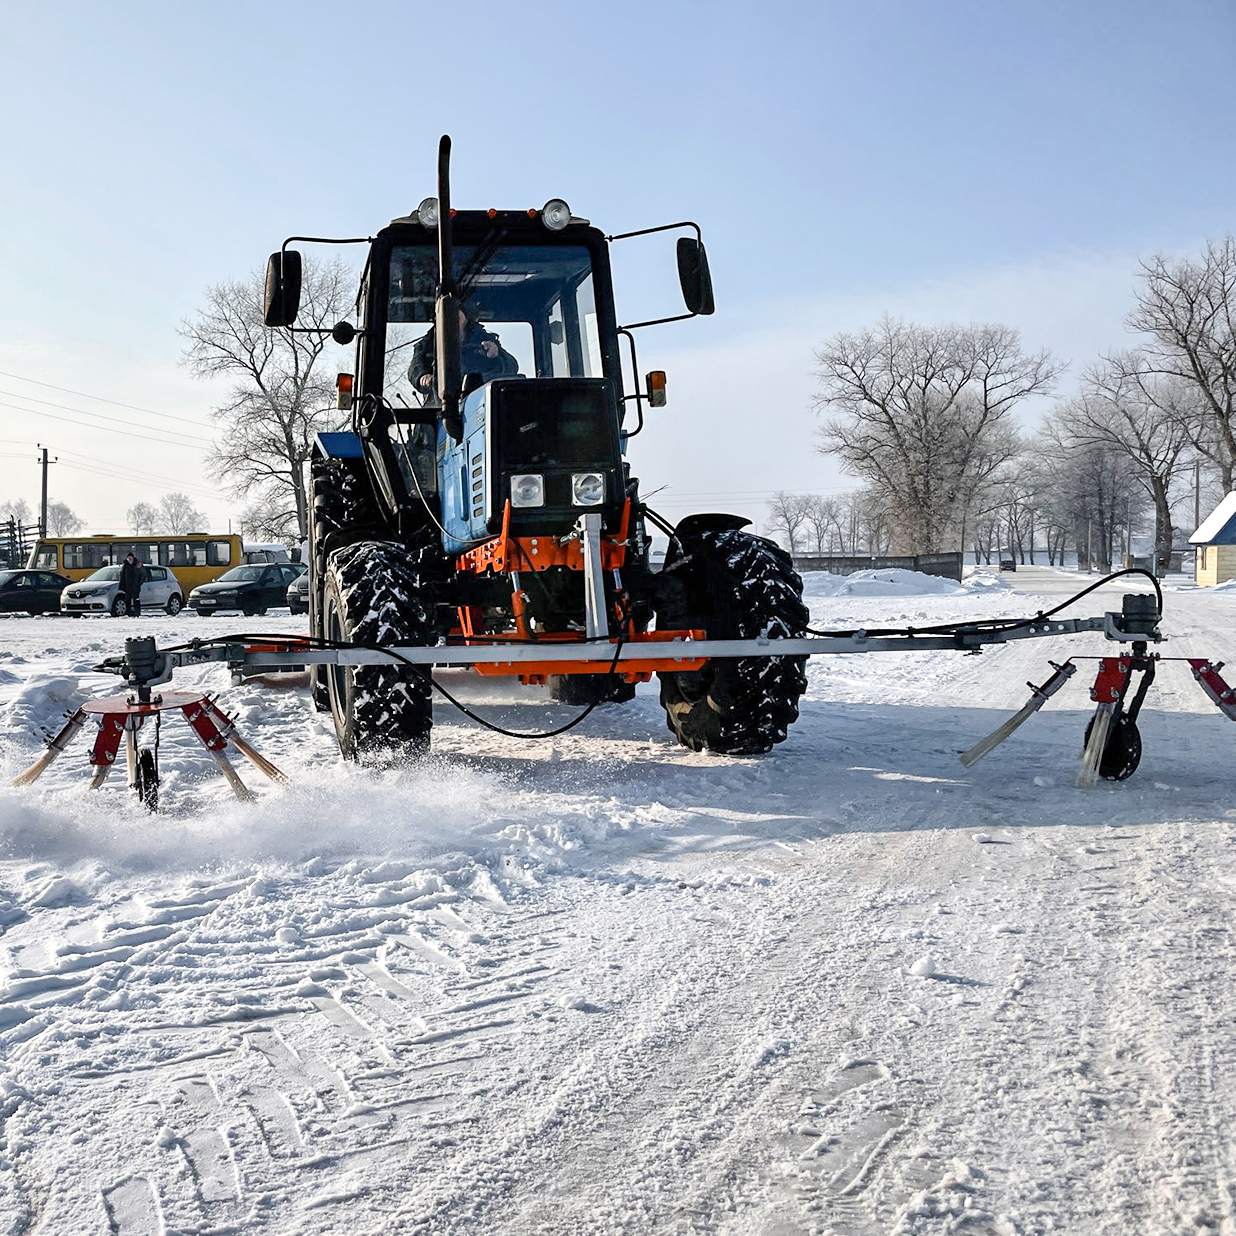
point(100, 593)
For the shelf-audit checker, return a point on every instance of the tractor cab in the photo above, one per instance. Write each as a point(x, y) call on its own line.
point(539, 377)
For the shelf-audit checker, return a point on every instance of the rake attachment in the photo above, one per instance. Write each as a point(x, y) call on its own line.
point(1112, 747)
point(122, 716)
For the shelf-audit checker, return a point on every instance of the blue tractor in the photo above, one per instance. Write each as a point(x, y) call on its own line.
point(482, 495)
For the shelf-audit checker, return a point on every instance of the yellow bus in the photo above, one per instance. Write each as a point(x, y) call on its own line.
point(195, 557)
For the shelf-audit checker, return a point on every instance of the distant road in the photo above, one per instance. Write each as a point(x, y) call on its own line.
point(1048, 581)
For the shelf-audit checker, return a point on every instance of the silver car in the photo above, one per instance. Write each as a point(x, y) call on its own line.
point(100, 593)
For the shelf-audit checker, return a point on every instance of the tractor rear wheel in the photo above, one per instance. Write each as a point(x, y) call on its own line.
point(736, 586)
point(340, 499)
point(372, 597)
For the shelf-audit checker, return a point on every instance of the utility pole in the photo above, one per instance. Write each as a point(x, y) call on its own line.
point(44, 463)
point(1197, 494)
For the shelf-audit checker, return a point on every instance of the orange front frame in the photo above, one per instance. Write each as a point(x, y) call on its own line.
point(508, 555)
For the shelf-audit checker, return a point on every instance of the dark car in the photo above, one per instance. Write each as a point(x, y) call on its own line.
point(251, 589)
point(298, 593)
point(31, 592)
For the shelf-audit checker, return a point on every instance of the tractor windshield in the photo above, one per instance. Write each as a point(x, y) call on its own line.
point(529, 311)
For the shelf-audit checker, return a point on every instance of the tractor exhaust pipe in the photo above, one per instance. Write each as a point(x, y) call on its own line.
point(446, 310)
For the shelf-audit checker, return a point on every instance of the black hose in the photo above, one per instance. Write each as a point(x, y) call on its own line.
point(998, 624)
point(395, 657)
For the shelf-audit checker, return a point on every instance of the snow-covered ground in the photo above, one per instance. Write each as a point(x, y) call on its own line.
point(604, 984)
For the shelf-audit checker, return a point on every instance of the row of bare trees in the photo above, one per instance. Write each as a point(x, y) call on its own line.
point(62, 520)
point(930, 420)
point(174, 513)
point(851, 523)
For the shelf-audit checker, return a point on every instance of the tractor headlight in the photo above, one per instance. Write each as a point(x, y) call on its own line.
point(587, 488)
point(555, 214)
point(528, 489)
point(427, 212)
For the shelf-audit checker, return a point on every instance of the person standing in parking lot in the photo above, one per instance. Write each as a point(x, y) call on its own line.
point(131, 583)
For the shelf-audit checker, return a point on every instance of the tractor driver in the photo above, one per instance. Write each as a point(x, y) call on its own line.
point(480, 351)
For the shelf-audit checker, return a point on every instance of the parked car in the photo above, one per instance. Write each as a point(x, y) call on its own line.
point(298, 593)
point(266, 551)
point(31, 592)
point(100, 593)
point(251, 589)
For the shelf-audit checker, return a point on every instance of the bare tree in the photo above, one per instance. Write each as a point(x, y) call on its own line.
point(1188, 310)
point(279, 401)
point(61, 521)
point(16, 509)
point(1094, 494)
point(873, 523)
point(178, 515)
point(787, 513)
point(1145, 420)
point(142, 518)
point(924, 415)
point(267, 520)
point(823, 517)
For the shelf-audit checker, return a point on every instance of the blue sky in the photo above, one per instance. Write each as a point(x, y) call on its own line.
point(949, 161)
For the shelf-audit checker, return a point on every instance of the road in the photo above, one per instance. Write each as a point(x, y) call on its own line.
point(607, 985)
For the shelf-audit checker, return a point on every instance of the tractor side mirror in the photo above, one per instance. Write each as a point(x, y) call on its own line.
point(281, 302)
point(693, 276)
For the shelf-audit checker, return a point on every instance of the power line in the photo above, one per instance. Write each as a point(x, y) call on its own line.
point(128, 433)
point(65, 390)
point(180, 433)
point(124, 469)
point(145, 481)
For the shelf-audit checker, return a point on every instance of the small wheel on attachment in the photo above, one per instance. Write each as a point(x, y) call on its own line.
point(1123, 752)
point(147, 782)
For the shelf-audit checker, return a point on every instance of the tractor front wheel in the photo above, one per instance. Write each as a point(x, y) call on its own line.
point(341, 502)
point(372, 597)
point(736, 586)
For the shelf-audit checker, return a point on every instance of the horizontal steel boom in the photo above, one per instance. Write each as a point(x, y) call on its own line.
point(668, 650)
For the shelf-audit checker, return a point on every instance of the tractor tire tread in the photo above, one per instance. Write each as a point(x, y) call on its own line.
point(749, 588)
point(387, 709)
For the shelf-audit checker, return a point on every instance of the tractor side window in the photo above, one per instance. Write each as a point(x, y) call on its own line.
point(587, 310)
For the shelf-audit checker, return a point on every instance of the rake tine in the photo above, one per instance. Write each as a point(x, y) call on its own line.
point(54, 748)
point(1038, 697)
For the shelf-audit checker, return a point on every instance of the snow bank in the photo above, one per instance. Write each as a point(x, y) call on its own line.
point(982, 579)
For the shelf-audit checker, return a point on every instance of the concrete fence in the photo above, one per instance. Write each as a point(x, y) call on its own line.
point(946, 565)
